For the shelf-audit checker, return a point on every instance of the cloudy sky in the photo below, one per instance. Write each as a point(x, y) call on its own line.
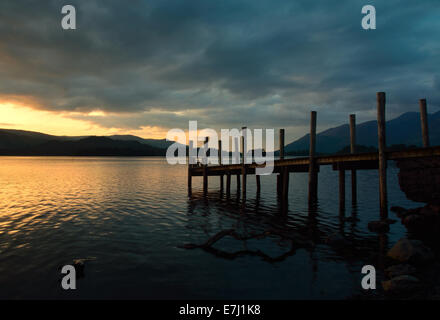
point(143, 67)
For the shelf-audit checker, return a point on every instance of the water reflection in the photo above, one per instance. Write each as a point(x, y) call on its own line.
point(304, 230)
point(134, 215)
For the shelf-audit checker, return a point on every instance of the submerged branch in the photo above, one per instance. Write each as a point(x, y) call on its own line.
point(207, 246)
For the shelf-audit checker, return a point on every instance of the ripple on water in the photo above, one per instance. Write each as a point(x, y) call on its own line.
point(132, 214)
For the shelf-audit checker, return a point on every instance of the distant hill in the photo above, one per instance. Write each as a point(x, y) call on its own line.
point(157, 143)
point(19, 142)
point(401, 131)
point(404, 129)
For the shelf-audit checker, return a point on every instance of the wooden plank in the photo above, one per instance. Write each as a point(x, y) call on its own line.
point(358, 165)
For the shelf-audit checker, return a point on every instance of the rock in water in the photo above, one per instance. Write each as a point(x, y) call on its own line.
point(400, 284)
point(337, 240)
point(400, 212)
point(78, 264)
point(378, 226)
point(412, 251)
point(400, 270)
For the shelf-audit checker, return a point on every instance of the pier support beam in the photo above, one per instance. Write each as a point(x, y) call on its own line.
point(189, 179)
point(190, 147)
point(381, 134)
point(243, 180)
point(280, 175)
point(424, 120)
point(285, 179)
point(205, 168)
point(352, 151)
point(257, 178)
point(341, 191)
point(220, 155)
point(228, 184)
point(313, 177)
point(205, 180)
point(243, 161)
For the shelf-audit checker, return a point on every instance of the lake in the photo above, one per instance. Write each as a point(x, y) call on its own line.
point(130, 217)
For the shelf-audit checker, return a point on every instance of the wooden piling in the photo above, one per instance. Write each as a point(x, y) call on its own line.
point(228, 184)
point(237, 154)
point(257, 178)
point(381, 134)
point(313, 179)
point(220, 155)
point(280, 175)
point(205, 168)
point(281, 144)
point(341, 191)
point(205, 179)
point(243, 181)
point(243, 161)
point(238, 182)
point(190, 146)
point(285, 179)
point(424, 120)
point(352, 151)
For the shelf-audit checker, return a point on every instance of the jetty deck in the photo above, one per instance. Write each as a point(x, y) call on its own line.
point(311, 164)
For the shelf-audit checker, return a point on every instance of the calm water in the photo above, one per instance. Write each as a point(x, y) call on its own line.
point(130, 215)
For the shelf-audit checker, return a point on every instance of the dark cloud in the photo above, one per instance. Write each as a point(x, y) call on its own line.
point(224, 63)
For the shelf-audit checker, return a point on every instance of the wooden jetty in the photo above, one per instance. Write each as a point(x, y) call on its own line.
point(311, 164)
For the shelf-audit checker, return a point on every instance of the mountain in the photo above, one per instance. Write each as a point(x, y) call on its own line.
point(405, 129)
point(157, 143)
point(19, 142)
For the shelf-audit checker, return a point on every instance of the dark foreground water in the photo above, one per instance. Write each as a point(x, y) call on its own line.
point(130, 215)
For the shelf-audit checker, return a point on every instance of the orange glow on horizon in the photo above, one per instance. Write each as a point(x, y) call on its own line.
point(16, 115)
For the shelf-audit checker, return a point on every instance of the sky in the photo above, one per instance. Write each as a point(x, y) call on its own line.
point(144, 67)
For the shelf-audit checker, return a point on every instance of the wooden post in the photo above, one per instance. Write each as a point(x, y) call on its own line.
point(313, 179)
point(243, 179)
point(243, 169)
point(281, 144)
point(190, 146)
point(205, 179)
point(341, 191)
point(285, 179)
point(353, 150)
point(237, 152)
point(220, 155)
point(424, 120)
point(238, 182)
point(381, 134)
point(257, 177)
point(228, 183)
point(205, 169)
point(280, 175)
